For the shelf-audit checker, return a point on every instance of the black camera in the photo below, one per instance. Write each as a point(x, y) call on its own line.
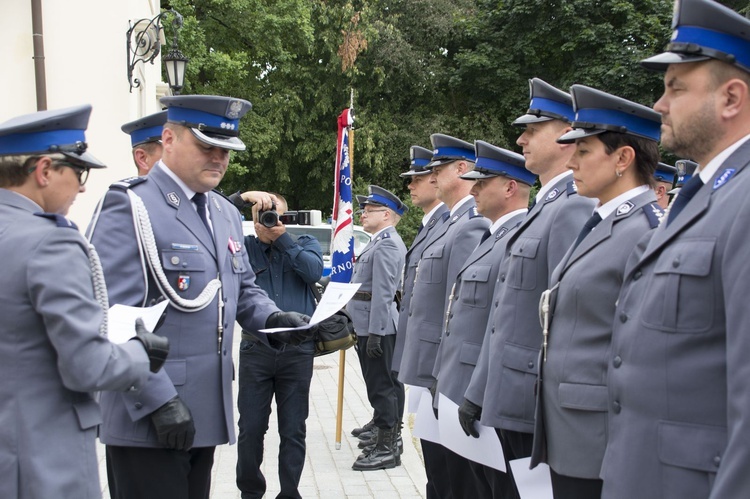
point(270, 218)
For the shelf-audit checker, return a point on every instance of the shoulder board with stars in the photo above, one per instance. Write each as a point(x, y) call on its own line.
point(127, 183)
point(654, 214)
point(624, 209)
point(572, 189)
point(473, 212)
point(59, 220)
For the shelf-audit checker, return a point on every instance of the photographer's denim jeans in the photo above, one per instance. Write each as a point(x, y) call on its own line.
point(264, 372)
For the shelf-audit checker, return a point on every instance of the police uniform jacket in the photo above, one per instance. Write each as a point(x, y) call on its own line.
point(585, 286)
point(407, 282)
point(444, 253)
point(470, 307)
point(378, 269)
point(679, 392)
point(503, 381)
point(51, 357)
point(198, 369)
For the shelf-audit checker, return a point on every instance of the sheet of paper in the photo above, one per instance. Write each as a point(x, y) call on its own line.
point(336, 295)
point(121, 324)
point(484, 450)
point(425, 424)
point(415, 395)
point(532, 484)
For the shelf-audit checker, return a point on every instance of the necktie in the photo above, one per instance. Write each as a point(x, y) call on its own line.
point(486, 234)
point(200, 201)
point(684, 196)
point(588, 227)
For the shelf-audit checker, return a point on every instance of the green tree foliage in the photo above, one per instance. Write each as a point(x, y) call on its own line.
point(416, 67)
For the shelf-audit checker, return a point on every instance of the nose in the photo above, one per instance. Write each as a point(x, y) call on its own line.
point(81, 189)
point(521, 140)
point(661, 105)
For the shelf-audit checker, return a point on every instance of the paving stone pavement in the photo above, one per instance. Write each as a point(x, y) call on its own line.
point(327, 472)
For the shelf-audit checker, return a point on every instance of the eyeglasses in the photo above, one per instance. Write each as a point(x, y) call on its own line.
point(370, 212)
point(82, 172)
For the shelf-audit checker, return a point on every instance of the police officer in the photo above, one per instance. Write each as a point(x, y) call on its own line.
point(615, 160)
point(502, 385)
point(373, 310)
point(145, 137)
point(501, 188)
point(665, 176)
point(444, 253)
point(678, 376)
point(169, 235)
point(53, 354)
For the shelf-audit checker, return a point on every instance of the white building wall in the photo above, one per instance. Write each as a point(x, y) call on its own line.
point(85, 62)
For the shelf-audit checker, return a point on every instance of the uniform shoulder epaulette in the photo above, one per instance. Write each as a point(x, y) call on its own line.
point(385, 235)
point(230, 199)
point(59, 220)
point(127, 183)
point(473, 212)
point(572, 189)
point(654, 214)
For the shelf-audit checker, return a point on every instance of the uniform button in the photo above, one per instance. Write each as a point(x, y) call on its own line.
point(623, 317)
point(616, 407)
point(617, 361)
point(447, 333)
point(184, 265)
point(138, 405)
point(225, 352)
point(409, 313)
point(175, 260)
point(493, 330)
point(676, 263)
point(497, 302)
point(502, 278)
point(717, 461)
point(451, 316)
point(637, 275)
point(474, 274)
point(531, 365)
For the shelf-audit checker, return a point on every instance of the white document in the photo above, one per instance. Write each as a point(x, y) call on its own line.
point(337, 295)
point(485, 450)
point(415, 395)
point(121, 320)
point(425, 424)
point(532, 484)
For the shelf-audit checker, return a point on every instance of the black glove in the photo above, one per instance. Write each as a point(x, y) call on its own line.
point(174, 425)
point(433, 392)
point(157, 347)
point(290, 320)
point(468, 413)
point(374, 351)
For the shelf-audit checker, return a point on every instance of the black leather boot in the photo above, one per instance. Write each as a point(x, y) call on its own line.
point(398, 445)
point(366, 427)
point(382, 457)
point(367, 442)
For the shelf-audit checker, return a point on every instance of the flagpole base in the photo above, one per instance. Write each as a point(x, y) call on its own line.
point(338, 445)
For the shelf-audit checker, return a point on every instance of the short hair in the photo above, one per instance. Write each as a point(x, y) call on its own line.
point(646, 153)
point(15, 169)
point(281, 199)
point(721, 72)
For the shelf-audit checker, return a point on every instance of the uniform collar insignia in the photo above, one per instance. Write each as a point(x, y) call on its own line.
point(501, 233)
point(216, 203)
point(432, 223)
point(552, 195)
point(173, 199)
point(624, 208)
point(724, 177)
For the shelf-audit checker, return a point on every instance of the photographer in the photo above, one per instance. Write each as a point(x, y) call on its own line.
point(286, 269)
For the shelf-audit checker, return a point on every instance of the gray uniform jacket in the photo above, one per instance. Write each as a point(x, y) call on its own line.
point(198, 369)
point(407, 281)
point(469, 310)
point(679, 378)
point(444, 253)
point(378, 268)
point(503, 381)
point(51, 357)
point(573, 398)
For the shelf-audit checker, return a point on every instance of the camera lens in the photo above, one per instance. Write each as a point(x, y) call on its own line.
point(269, 218)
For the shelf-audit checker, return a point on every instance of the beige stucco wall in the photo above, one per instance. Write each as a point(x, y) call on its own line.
point(85, 62)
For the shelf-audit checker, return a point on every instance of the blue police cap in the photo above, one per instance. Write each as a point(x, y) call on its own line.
point(547, 103)
point(145, 129)
point(702, 30)
point(420, 157)
point(447, 149)
point(493, 161)
point(46, 132)
point(598, 112)
point(381, 197)
point(214, 120)
point(685, 171)
point(665, 173)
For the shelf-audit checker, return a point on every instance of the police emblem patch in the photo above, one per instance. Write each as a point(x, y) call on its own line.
point(552, 195)
point(624, 208)
point(233, 109)
point(173, 199)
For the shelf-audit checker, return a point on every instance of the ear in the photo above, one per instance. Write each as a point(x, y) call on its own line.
point(461, 167)
point(625, 158)
point(42, 171)
point(511, 188)
point(140, 157)
point(168, 137)
point(734, 97)
point(660, 191)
